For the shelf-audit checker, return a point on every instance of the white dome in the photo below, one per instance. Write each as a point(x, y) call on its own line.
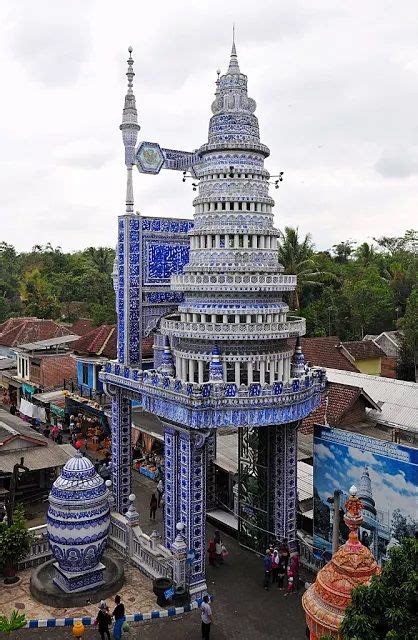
point(78, 463)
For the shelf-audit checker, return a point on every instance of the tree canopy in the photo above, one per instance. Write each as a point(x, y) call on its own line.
point(387, 608)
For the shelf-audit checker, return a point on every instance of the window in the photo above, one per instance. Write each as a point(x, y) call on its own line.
point(85, 374)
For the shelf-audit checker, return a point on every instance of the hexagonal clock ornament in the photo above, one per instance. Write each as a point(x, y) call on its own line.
point(149, 157)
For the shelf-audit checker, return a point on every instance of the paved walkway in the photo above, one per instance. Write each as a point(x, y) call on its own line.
point(241, 608)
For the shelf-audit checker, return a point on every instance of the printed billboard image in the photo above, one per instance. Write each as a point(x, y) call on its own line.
point(385, 475)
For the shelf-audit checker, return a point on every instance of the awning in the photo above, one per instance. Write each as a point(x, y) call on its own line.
point(35, 458)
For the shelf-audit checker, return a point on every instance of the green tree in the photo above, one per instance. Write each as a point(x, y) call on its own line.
point(386, 609)
point(101, 258)
point(409, 339)
point(371, 301)
point(16, 621)
point(15, 541)
point(296, 256)
point(343, 250)
point(37, 296)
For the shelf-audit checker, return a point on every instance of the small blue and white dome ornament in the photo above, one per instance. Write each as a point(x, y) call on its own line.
point(216, 372)
point(78, 524)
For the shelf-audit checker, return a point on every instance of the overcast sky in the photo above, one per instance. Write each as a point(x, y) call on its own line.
point(336, 84)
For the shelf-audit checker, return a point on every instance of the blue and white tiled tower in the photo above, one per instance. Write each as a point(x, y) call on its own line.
point(231, 363)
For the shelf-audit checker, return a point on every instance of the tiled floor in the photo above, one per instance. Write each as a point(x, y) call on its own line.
point(136, 594)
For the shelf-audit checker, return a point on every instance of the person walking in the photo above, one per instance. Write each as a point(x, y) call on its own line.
point(206, 617)
point(290, 581)
point(218, 548)
point(212, 553)
point(153, 507)
point(103, 621)
point(267, 569)
point(275, 561)
point(160, 491)
point(119, 616)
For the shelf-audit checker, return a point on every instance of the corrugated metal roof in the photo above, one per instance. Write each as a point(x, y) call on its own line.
point(398, 400)
point(54, 455)
point(51, 342)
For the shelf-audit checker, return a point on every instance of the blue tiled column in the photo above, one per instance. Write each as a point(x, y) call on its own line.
point(170, 486)
point(121, 450)
point(210, 477)
point(192, 504)
point(284, 479)
point(129, 290)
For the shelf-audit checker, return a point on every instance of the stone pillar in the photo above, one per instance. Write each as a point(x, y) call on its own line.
point(170, 484)
point(238, 373)
point(210, 471)
point(283, 474)
point(192, 504)
point(121, 450)
point(280, 374)
point(200, 371)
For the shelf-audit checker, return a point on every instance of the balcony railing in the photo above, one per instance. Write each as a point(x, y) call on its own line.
point(234, 331)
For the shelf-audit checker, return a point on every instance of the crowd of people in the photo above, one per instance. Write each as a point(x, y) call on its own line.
point(281, 567)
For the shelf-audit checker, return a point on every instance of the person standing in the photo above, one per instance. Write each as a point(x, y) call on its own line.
point(218, 548)
point(284, 552)
point(103, 621)
point(206, 617)
point(153, 507)
point(294, 565)
point(267, 569)
point(119, 616)
point(275, 561)
point(281, 572)
point(160, 490)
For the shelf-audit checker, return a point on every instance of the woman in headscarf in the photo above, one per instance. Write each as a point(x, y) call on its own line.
point(103, 621)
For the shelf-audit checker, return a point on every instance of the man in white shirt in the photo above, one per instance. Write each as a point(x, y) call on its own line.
point(160, 490)
point(206, 615)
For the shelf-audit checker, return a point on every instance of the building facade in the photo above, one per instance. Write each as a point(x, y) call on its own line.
point(226, 360)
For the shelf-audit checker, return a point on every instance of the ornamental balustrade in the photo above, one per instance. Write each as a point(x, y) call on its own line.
point(239, 282)
point(39, 551)
point(286, 393)
point(236, 331)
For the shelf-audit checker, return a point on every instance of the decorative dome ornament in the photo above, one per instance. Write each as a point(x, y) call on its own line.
point(216, 373)
point(78, 523)
point(353, 564)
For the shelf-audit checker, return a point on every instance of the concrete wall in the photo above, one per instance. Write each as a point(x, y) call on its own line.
point(372, 366)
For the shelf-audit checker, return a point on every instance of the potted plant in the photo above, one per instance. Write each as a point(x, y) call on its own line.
point(16, 621)
point(15, 542)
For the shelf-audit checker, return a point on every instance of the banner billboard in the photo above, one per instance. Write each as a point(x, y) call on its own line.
point(386, 476)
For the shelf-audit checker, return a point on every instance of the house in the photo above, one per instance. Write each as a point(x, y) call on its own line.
point(365, 355)
point(343, 406)
point(41, 455)
point(93, 350)
point(389, 342)
point(82, 326)
point(397, 400)
point(324, 352)
point(17, 331)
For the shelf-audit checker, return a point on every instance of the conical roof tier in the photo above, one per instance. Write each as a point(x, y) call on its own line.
point(326, 600)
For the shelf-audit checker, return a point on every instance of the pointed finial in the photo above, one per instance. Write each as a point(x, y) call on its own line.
point(233, 62)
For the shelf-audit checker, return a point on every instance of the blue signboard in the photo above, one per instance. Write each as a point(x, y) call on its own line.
point(169, 593)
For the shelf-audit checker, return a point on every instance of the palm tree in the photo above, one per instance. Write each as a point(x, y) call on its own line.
point(102, 258)
point(296, 256)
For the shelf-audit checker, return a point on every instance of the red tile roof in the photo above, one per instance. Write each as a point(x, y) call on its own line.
point(82, 326)
point(324, 352)
point(363, 349)
point(102, 341)
point(17, 331)
point(341, 399)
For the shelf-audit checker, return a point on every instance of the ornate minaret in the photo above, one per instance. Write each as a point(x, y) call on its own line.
point(127, 288)
point(228, 341)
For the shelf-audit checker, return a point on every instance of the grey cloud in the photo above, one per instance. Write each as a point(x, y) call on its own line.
point(400, 162)
point(51, 41)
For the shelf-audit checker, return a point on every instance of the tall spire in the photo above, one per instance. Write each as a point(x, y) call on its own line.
point(233, 62)
point(129, 128)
